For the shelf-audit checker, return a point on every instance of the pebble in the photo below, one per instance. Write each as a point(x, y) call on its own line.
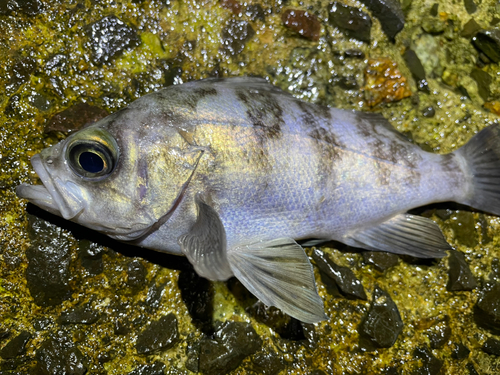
point(483, 80)
point(156, 368)
point(27, 7)
point(231, 344)
point(417, 70)
point(110, 37)
point(460, 276)
point(470, 6)
point(84, 314)
point(136, 274)
point(390, 15)
point(19, 74)
point(492, 346)
point(382, 325)
point(161, 334)
point(470, 28)
point(439, 334)
point(381, 260)
point(303, 23)
point(460, 351)
point(16, 346)
point(488, 42)
point(351, 21)
point(429, 112)
point(268, 363)
point(430, 364)
point(235, 35)
point(487, 310)
point(74, 118)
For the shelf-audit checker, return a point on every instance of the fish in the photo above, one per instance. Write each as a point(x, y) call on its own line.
point(233, 172)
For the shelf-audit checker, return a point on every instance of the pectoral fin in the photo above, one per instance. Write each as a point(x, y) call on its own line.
point(279, 273)
point(205, 244)
point(403, 234)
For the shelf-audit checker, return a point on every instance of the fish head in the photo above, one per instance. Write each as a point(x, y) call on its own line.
point(120, 176)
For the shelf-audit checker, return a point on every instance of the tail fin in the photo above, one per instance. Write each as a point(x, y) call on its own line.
point(482, 154)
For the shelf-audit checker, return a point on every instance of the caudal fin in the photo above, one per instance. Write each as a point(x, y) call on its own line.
point(482, 154)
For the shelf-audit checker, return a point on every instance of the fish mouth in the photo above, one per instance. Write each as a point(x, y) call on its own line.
point(46, 196)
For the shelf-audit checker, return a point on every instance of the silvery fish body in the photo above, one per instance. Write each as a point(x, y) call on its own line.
point(231, 172)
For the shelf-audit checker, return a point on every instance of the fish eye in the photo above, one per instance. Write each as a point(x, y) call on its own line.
point(92, 158)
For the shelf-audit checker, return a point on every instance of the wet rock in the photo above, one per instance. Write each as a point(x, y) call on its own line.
point(302, 22)
point(483, 80)
point(155, 294)
point(430, 364)
point(287, 327)
point(351, 21)
point(233, 5)
point(27, 7)
point(470, 28)
point(268, 363)
point(235, 35)
point(381, 260)
point(58, 355)
point(488, 42)
point(347, 283)
point(460, 351)
point(161, 334)
point(390, 15)
point(417, 70)
point(255, 12)
point(429, 112)
point(197, 293)
point(193, 356)
point(460, 276)
point(48, 272)
point(41, 324)
point(348, 83)
point(472, 370)
point(157, 368)
point(384, 82)
point(74, 118)
point(470, 6)
point(439, 334)
point(109, 37)
point(464, 228)
point(136, 274)
point(20, 74)
point(382, 325)
point(90, 254)
point(434, 10)
point(354, 54)
point(487, 310)
point(16, 346)
point(84, 314)
point(232, 342)
point(492, 346)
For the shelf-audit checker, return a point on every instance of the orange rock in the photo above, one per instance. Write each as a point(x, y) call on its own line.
point(493, 106)
point(384, 82)
point(303, 23)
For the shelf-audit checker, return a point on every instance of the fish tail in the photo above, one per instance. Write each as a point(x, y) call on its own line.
point(482, 156)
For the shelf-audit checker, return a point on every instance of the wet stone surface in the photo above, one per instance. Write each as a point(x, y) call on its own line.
point(157, 368)
point(347, 283)
point(382, 325)
point(430, 364)
point(27, 7)
point(268, 363)
point(439, 334)
point(483, 80)
point(381, 260)
point(161, 334)
point(20, 74)
point(416, 69)
point(16, 346)
point(235, 35)
point(232, 342)
point(492, 346)
point(487, 310)
point(460, 351)
point(48, 273)
point(390, 15)
point(84, 314)
point(351, 21)
point(302, 22)
point(136, 274)
point(109, 37)
point(460, 276)
point(488, 42)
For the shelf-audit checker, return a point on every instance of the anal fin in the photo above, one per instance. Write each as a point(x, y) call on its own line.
point(403, 234)
point(278, 272)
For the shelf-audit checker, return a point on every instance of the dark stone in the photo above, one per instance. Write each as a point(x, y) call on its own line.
point(464, 227)
point(41, 324)
point(84, 314)
point(268, 363)
point(483, 80)
point(90, 254)
point(57, 61)
point(430, 364)
point(16, 346)
point(460, 351)
point(351, 21)
point(198, 294)
point(348, 83)
point(48, 272)
point(58, 355)
point(155, 294)
point(382, 325)
point(429, 112)
point(287, 327)
point(136, 274)
point(39, 101)
point(417, 70)
point(193, 356)
point(27, 7)
point(485, 235)
point(390, 15)
point(232, 343)
point(109, 37)
point(381, 260)
point(74, 118)
point(470, 28)
point(302, 22)
point(492, 346)
point(434, 10)
point(161, 334)
point(157, 368)
point(470, 367)
point(488, 42)
point(354, 54)
point(255, 12)
point(347, 283)
point(235, 35)
point(460, 276)
point(20, 74)
point(487, 310)
point(470, 6)
point(439, 334)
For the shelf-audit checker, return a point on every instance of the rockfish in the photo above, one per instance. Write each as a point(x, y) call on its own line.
point(232, 172)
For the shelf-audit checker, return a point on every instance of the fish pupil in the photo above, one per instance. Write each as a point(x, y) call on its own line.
point(91, 162)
